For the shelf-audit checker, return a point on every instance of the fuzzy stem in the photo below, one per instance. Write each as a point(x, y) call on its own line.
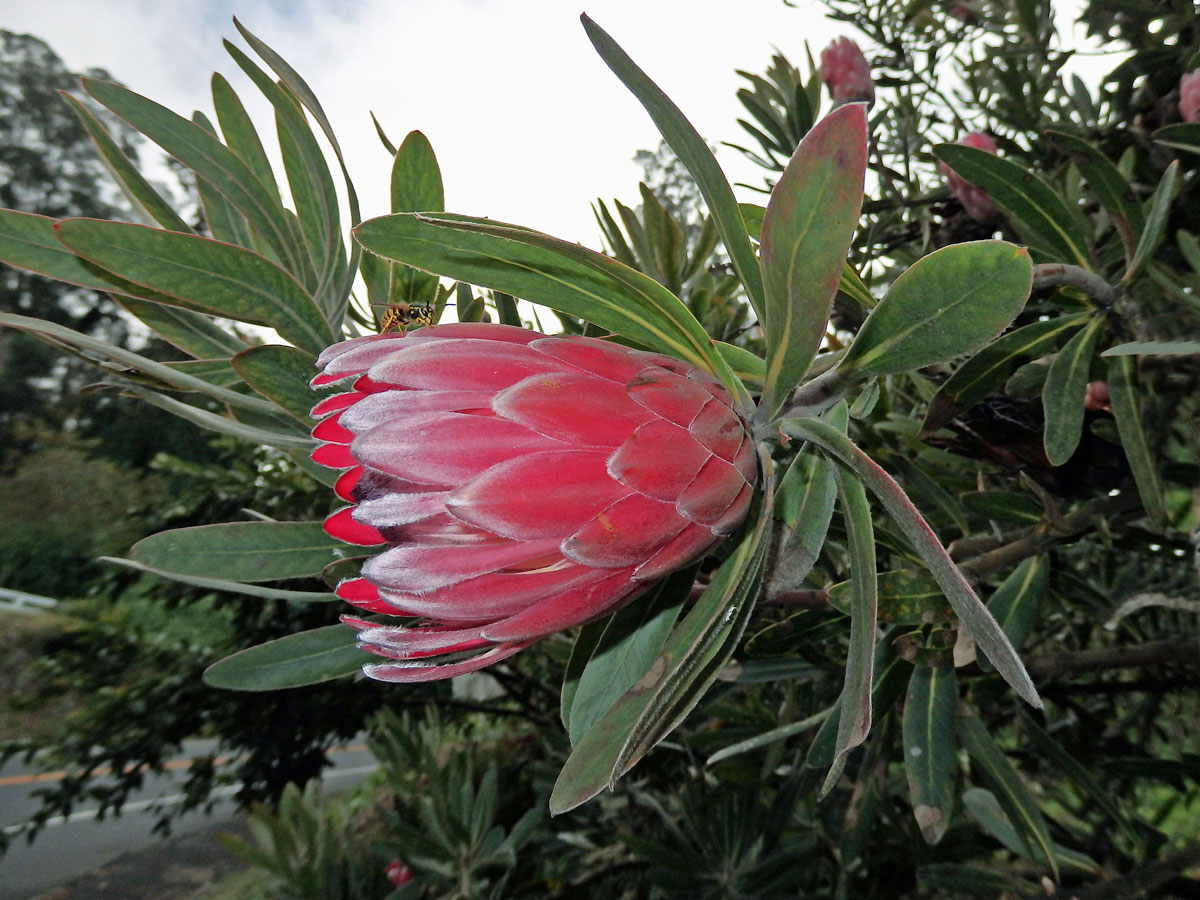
point(1051, 274)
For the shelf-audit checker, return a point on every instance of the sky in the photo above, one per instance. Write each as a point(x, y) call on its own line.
point(528, 123)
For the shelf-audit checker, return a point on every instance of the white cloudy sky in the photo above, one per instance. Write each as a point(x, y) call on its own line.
point(528, 123)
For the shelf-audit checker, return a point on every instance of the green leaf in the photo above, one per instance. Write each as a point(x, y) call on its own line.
point(416, 186)
point(309, 182)
point(1031, 203)
point(301, 91)
point(1064, 391)
point(632, 639)
point(1156, 219)
point(57, 334)
point(971, 613)
point(221, 584)
point(542, 269)
point(223, 425)
point(951, 302)
point(1126, 408)
point(990, 813)
point(677, 679)
point(745, 365)
point(212, 161)
point(194, 333)
point(1018, 599)
point(854, 721)
point(140, 192)
point(806, 235)
point(1184, 136)
point(975, 881)
point(1113, 190)
point(990, 763)
point(581, 654)
point(240, 134)
point(1004, 506)
point(991, 366)
point(203, 275)
point(774, 736)
point(1154, 348)
point(241, 551)
point(930, 757)
point(309, 657)
point(30, 242)
point(281, 374)
point(693, 152)
point(906, 597)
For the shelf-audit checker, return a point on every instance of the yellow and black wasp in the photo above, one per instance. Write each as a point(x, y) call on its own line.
point(404, 317)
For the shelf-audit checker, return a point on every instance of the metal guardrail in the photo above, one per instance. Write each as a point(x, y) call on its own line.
point(20, 601)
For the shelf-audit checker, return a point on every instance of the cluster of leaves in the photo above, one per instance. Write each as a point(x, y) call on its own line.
point(931, 779)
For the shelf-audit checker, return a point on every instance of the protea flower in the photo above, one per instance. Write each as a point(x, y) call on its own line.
point(975, 202)
point(522, 484)
point(845, 72)
point(1189, 96)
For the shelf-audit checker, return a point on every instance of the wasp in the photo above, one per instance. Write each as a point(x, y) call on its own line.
point(405, 316)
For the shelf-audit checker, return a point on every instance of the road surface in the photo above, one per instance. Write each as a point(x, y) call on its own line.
point(69, 848)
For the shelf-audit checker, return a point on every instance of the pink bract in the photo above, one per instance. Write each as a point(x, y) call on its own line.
point(975, 202)
point(521, 484)
point(1189, 96)
point(845, 72)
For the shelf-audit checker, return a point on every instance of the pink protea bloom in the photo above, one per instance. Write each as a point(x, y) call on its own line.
point(1189, 96)
point(522, 484)
point(845, 72)
point(977, 204)
point(398, 874)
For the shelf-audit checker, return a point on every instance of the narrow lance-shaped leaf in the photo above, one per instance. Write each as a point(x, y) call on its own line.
point(194, 333)
point(223, 584)
point(281, 374)
point(1115, 193)
point(971, 613)
point(309, 181)
point(632, 638)
point(930, 760)
point(210, 160)
point(1017, 600)
point(990, 762)
point(1029, 201)
point(203, 275)
point(689, 662)
point(240, 134)
point(300, 89)
point(139, 191)
point(1156, 220)
point(1123, 393)
point(169, 376)
point(542, 269)
point(989, 368)
point(241, 551)
point(1064, 392)
point(693, 152)
point(309, 657)
point(855, 717)
point(223, 425)
point(806, 235)
point(951, 302)
point(416, 186)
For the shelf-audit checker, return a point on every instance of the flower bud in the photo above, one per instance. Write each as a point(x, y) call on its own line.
point(521, 484)
point(845, 72)
point(1189, 96)
point(977, 204)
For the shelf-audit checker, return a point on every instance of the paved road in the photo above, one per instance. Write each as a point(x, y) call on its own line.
point(71, 847)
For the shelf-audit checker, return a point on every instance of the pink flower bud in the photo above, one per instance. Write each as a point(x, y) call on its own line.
point(845, 72)
point(1189, 96)
point(1097, 397)
point(522, 484)
point(398, 874)
point(977, 204)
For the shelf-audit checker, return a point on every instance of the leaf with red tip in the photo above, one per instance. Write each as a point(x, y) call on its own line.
point(806, 235)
